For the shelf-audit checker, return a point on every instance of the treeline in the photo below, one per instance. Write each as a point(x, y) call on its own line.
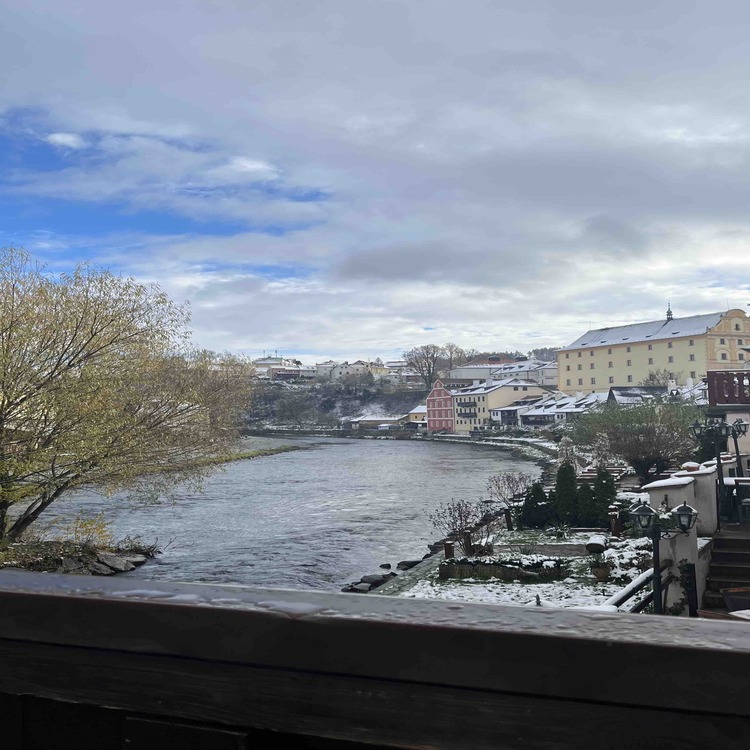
point(568, 504)
point(323, 404)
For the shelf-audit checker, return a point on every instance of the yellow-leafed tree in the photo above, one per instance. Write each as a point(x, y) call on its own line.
point(99, 386)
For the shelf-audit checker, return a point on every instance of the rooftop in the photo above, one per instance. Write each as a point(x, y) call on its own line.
point(654, 330)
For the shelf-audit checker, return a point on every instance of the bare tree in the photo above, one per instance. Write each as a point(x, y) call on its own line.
point(508, 491)
point(425, 360)
point(454, 355)
point(660, 377)
point(467, 523)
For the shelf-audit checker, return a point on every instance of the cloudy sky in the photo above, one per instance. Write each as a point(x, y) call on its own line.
point(348, 178)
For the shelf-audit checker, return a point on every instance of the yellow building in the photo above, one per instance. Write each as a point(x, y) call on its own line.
point(472, 405)
point(685, 347)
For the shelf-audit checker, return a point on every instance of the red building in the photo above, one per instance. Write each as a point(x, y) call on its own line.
point(440, 409)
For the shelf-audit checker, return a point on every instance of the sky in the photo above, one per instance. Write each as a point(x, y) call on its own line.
point(353, 178)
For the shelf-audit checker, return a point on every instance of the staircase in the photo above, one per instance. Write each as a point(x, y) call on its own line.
point(730, 564)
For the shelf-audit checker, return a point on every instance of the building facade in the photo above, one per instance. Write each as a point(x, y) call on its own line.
point(439, 406)
point(687, 348)
point(473, 406)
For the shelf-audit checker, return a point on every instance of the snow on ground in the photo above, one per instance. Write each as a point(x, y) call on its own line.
point(571, 592)
point(628, 558)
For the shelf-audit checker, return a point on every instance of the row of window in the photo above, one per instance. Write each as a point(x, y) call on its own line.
point(612, 380)
point(629, 363)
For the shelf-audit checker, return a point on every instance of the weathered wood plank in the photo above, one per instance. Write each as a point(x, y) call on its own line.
point(531, 651)
point(148, 734)
point(360, 710)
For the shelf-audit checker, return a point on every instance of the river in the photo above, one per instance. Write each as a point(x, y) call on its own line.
point(316, 518)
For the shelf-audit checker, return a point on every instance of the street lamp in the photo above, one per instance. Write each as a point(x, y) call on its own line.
point(646, 521)
point(717, 430)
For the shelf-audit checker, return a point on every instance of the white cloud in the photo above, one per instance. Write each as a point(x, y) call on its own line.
point(498, 172)
point(66, 140)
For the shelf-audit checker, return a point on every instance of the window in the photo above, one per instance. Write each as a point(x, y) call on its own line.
point(630, 363)
point(609, 351)
point(692, 357)
point(580, 381)
point(691, 342)
point(593, 381)
point(580, 367)
point(722, 341)
point(567, 355)
point(692, 373)
point(609, 364)
point(630, 378)
point(723, 355)
point(650, 347)
point(567, 382)
point(567, 367)
point(737, 327)
point(739, 342)
point(651, 360)
point(579, 354)
point(670, 359)
point(592, 366)
point(669, 345)
point(628, 349)
point(591, 353)
point(611, 379)
point(740, 356)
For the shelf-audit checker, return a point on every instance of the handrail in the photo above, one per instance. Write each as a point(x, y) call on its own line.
point(636, 585)
point(145, 659)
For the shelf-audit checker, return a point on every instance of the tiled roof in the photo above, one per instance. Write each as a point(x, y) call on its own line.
point(694, 325)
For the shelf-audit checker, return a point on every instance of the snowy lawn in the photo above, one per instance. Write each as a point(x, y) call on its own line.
point(628, 558)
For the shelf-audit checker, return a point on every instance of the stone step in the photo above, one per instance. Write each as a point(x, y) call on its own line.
point(713, 600)
point(730, 556)
point(731, 542)
point(720, 569)
point(714, 583)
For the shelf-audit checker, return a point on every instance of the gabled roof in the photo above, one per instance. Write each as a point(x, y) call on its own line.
point(493, 385)
point(654, 330)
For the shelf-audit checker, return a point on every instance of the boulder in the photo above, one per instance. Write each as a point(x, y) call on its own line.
point(406, 564)
point(117, 563)
point(69, 564)
point(375, 580)
point(98, 569)
point(135, 559)
point(386, 566)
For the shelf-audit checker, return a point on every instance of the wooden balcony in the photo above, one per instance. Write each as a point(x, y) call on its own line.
point(126, 663)
point(728, 387)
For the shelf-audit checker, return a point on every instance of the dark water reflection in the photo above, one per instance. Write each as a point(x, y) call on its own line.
point(315, 518)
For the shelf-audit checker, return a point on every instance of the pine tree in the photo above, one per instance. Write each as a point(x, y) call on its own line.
point(566, 494)
point(587, 507)
point(605, 492)
point(537, 512)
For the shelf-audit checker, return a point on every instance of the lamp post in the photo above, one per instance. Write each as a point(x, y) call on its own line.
point(646, 521)
point(715, 429)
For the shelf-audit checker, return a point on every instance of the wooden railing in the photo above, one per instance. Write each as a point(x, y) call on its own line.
point(728, 387)
point(123, 663)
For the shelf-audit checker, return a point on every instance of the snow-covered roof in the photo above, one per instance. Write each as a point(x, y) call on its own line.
point(693, 325)
point(565, 404)
point(421, 409)
point(635, 394)
point(493, 385)
point(524, 365)
point(673, 481)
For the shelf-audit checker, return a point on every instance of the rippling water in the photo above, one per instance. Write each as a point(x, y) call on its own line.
point(316, 518)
